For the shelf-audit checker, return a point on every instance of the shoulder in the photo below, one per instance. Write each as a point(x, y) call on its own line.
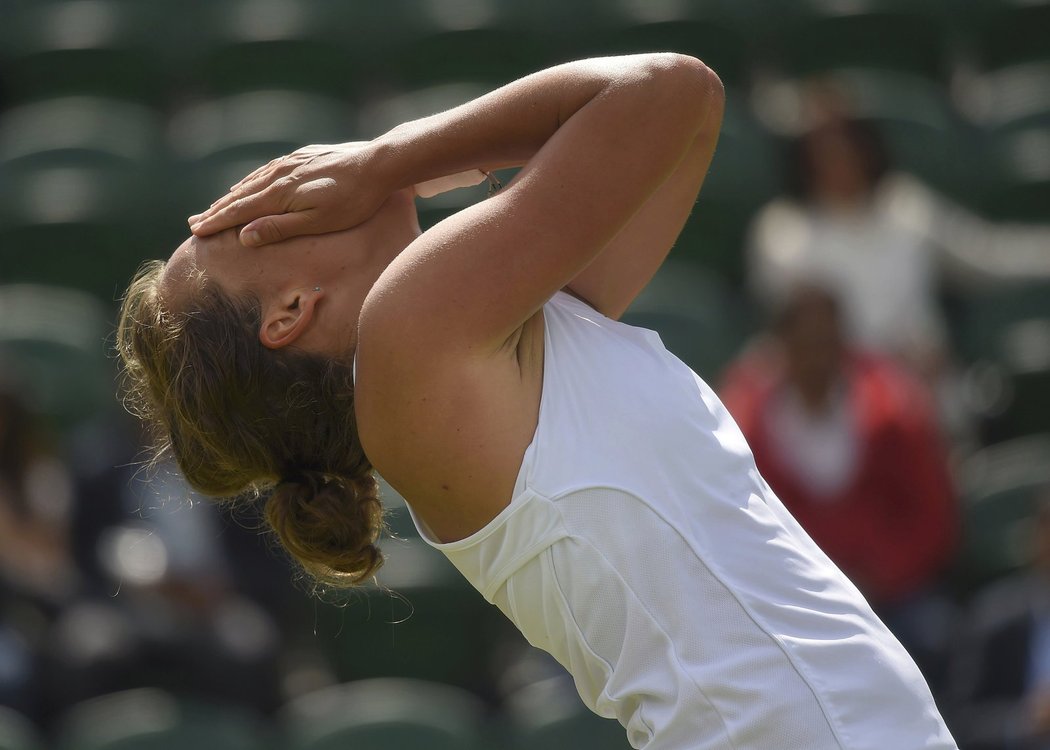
point(448, 432)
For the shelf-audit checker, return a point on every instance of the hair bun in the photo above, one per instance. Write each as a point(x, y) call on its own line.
point(329, 523)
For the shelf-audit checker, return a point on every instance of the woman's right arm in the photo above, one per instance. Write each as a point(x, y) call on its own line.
point(597, 138)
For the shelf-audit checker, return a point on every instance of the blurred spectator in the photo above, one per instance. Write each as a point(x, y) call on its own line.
point(36, 573)
point(1001, 670)
point(885, 243)
point(164, 610)
point(847, 439)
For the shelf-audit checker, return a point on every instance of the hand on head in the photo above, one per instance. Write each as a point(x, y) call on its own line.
point(315, 190)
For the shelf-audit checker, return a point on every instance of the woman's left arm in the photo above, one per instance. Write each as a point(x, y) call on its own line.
point(616, 276)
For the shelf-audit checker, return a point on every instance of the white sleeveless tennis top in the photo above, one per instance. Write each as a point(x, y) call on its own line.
point(643, 551)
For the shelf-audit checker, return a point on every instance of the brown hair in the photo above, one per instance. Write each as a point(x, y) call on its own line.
point(243, 421)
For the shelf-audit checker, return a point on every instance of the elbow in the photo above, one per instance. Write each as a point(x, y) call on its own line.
point(696, 86)
point(701, 73)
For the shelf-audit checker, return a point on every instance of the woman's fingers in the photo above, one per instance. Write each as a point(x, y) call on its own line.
point(237, 211)
point(254, 183)
point(251, 176)
point(278, 227)
point(217, 206)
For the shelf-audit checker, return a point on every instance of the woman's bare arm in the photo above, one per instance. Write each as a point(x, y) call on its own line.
point(614, 150)
point(607, 134)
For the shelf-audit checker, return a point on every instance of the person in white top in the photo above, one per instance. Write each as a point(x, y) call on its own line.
point(884, 242)
point(580, 476)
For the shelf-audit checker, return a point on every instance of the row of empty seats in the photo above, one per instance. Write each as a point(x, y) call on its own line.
point(90, 185)
point(381, 714)
point(148, 50)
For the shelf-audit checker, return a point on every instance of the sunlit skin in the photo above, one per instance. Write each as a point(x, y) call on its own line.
point(449, 335)
point(311, 286)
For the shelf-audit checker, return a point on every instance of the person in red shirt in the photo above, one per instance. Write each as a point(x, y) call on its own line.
point(848, 439)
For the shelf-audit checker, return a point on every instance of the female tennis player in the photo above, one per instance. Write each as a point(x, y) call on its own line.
point(581, 477)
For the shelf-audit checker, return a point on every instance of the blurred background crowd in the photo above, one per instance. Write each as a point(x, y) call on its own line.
point(866, 280)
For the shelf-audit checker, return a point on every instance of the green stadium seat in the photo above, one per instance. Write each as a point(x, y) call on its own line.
point(384, 714)
point(17, 732)
point(79, 130)
point(1005, 335)
point(245, 45)
point(151, 719)
point(986, 317)
point(428, 42)
point(698, 316)
point(78, 190)
point(1012, 98)
point(257, 124)
point(384, 112)
point(76, 226)
point(53, 341)
point(1021, 166)
point(550, 715)
point(708, 29)
point(1000, 485)
point(820, 35)
point(1007, 32)
point(114, 48)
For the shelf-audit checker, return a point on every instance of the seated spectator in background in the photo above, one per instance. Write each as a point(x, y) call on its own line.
point(1001, 670)
point(36, 571)
point(886, 244)
point(170, 613)
point(848, 441)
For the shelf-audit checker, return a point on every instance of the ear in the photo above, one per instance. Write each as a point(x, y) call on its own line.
point(288, 316)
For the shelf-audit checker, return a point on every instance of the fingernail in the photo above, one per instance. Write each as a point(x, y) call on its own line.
point(194, 227)
point(195, 219)
point(251, 238)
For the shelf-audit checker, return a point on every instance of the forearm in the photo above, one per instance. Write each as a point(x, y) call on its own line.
point(509, 125)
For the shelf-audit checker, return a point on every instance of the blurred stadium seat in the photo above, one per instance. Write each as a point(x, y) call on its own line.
point(1020, 165)
point(1006, 32)
point(79, 130)
point(820, 35)
point(151, 719)
point(245, 45)
point(82, 227)
point(16, 732)
point(257, 124)
point(424, 42)
point(708, 29)
point(1005, 335)
point(77, 184)
point(114, 48)
point(53, 343)
point(86, 228)
point(384, 714)
point(550, 715)
point(1010, 98)
point(1000, 486)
